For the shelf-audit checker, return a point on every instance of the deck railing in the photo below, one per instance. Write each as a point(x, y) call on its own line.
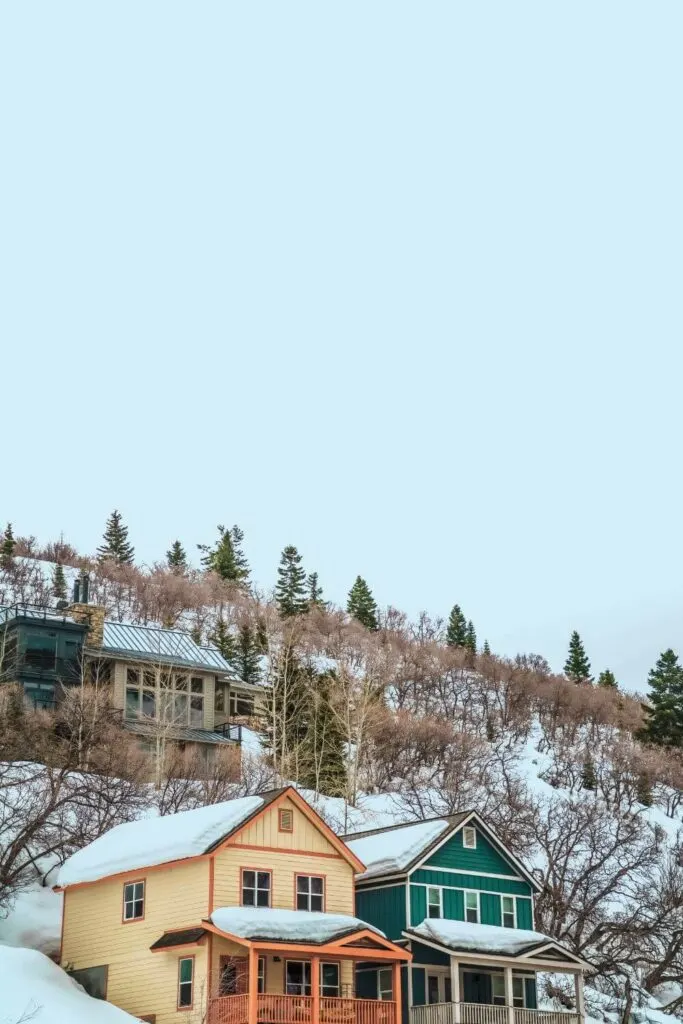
point(486, 1013)
point(282, 1009)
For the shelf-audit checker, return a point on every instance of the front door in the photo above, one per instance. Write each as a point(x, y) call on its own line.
point(477, 987)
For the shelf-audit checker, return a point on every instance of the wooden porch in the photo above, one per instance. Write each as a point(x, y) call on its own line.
point(286, 1009)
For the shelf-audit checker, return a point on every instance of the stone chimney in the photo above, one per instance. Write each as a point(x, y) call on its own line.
point(92, 616)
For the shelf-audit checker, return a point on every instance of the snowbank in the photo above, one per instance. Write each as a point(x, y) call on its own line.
point(34, 988)
point(484, 938)
point(35, 921)
point(286, 925)
point(150, 841)
point(388, 852)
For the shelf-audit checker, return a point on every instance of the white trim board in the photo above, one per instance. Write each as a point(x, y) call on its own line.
point(472, 874)
point(528, 960)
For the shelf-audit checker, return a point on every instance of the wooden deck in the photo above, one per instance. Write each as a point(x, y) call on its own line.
point(280, 1009)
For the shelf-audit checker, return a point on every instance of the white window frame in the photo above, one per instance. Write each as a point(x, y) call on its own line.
point(514, 911)
point(498, 998)
point(469, 830)
point(522, 1004)
point(437, 889)
point(337, 967)
point(132, 900)
point(477, 895)
point(385, 994)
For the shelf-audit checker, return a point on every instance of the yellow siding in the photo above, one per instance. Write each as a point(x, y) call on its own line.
point(264, 832)
point(139, 981)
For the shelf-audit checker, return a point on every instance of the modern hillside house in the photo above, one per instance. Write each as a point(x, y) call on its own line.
point(235, 913)
point(464, 906)
point(161, 681)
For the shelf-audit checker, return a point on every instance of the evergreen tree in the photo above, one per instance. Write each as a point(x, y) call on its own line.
point(226, 557)
point(176, 558)
point(664, 713)
point(588, 779)
point(471, 638)
point(115, 544)
point(577, 666)
point(362, 605)
point(59, 583)
point(486, 650)
point(290, 589)
point(196, 634)
point(315, 592)
point(8, 544)
point(456, 633)
point(246, 655)
point(223, 640)
point(322, 760)
point(607, 680)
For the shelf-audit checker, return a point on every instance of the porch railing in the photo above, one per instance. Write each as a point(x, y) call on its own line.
point(486, 1013)
point(282, 1009)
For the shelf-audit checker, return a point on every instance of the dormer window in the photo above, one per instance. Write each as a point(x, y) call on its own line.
point(285, 820)
point(469, 838)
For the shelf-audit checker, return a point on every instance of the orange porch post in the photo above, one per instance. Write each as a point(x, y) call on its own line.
point(253, 987)
point(315, 989)
point(396, 979)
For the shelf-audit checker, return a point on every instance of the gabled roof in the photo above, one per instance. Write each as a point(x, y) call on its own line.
point(399, 849)
point(162, 646)
point(490, 940)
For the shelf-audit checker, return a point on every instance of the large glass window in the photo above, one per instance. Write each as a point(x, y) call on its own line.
point(310, 892)
point(168, 696)
point(41, 650)
point(256, 887)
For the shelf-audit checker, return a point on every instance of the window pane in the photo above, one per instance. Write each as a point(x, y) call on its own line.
point(302, 901)
point(317, 885)
point(196, 711)
point(316, 902)
point(264, 880)
point(197, 685)
point(262, 898)
point(303, 883)
point(132, 677)
point(148, 703)
point(132, 703)
point(329, 978)
point(180, 682)
point(249, 878)
point(186, 970)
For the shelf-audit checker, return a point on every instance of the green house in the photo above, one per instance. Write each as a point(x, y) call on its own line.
point(464, 906)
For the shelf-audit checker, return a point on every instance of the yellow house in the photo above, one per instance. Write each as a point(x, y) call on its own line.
point(237, 913)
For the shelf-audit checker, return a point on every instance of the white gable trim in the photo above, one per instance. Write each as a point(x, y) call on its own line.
point(534, 958)
point(491, 835)
point(475, 874)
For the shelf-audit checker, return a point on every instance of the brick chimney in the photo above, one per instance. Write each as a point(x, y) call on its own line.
point(92, 616)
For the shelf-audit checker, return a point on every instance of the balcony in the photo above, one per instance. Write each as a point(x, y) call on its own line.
point(487, 1013)
point(284, 1009)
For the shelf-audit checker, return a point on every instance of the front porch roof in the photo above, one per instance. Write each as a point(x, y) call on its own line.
point(488, 941)
point(269, 928)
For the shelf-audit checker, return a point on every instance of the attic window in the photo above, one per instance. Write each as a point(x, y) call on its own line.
point(469, 838)
point(285, 820)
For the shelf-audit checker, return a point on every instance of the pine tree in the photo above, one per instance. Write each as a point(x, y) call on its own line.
point(223, 640)
point(664, 713)
point(486, 650)
point(245, 657)
point(471, 638)
point(115, 546)
point(290, 589)
point(315, 592)
point(362, 605)
point(226, 558)
point(322, 758)
point(588, 779)
point(176, 558)
point(8, 544)
point(577, 666)
point(196, 634)
point(456, 633)
point(607, 680)
point(59, 583)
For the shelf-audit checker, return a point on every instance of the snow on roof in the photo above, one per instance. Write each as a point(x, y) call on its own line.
point(150, 841)
point(34, 988)
point(482, 938)
point(385, 853)
point(286, 925)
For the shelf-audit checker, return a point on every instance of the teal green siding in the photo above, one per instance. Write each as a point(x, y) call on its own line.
point(485, 858)
point(511, 887)
point(385, 908)
point(418, 904)
point(524, 914)
point(427, 955)
point(453, 905)
point(490, 908)
point(418, 986)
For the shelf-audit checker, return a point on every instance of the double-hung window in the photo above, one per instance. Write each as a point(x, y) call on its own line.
point(509, 912)
point(298, 978)
point(185, 982)
point(385, 988)
point(133, 901)
point(472, 907)
point(329, 979)
point(256, 886)
point(518, 992)
point(434, 902)
point(310, 892)
point(498, 990)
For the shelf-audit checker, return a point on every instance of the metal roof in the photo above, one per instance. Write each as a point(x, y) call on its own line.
point(27, 611)
point(170, 646)
point(184, 733)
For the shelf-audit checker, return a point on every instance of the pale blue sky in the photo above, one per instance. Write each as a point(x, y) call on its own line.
point(399, 283)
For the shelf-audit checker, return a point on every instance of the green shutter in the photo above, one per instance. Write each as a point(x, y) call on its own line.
point(490, 908)
point(524, 918)
point(418, 986)
point(453, 904)
point(530, 993)
point(418, 904)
